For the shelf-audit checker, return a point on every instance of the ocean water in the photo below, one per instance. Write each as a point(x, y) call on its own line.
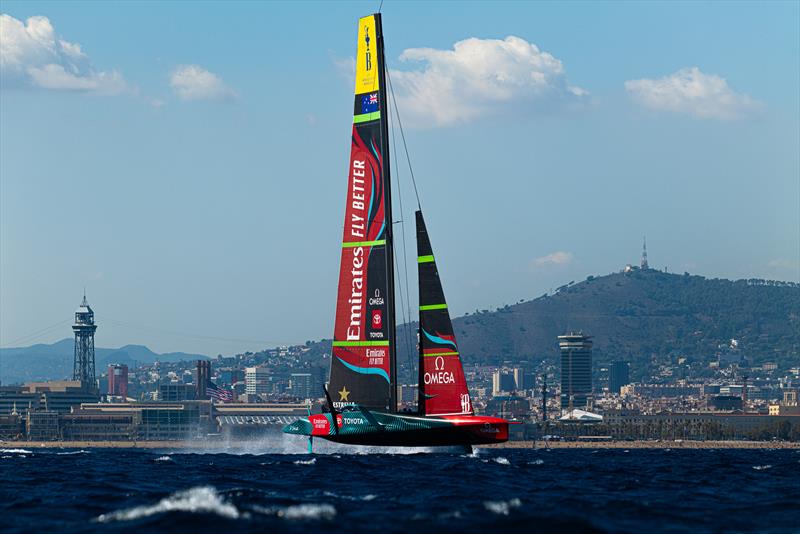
point(354, 489)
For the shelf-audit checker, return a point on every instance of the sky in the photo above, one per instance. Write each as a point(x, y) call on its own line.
point(186, 163)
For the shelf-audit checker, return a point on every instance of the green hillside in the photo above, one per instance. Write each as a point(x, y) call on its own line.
point(647, 317)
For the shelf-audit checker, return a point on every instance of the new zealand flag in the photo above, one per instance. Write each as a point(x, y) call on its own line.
point(369, 103)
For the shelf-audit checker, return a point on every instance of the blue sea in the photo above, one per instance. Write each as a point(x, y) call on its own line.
point(351, 490)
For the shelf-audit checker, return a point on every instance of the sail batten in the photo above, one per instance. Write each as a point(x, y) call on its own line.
point(362, 363)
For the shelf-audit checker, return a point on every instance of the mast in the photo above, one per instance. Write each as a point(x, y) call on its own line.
point(387, 185)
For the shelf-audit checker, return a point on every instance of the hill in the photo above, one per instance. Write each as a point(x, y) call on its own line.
point(54, 361)
point(647, 317)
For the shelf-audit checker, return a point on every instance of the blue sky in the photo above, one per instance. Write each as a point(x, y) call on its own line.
point(186, 163)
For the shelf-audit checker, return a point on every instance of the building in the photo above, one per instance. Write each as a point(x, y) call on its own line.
point(176, 422)
point(576, 370)
point(12, 426)
point(85, 424)
point(256, 380)
point(789, 405)
point(520, 384)
point(84, 328)
point(56, 396)
point(202, 376)
point(118, 380)
point(661, 391)
point(176, 392)
point(619, 375)
point(43, 426)
point(138, 421)
point(229, 376)
point(508, 407)
point(695, 425)
point(254, 420)
point(502, 383)
point(302, 385)
point(581, 416)
point(407, 394)
point(726, 403)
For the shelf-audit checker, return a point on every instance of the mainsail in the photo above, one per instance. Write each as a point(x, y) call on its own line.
point(362, 362)
point(442, 386)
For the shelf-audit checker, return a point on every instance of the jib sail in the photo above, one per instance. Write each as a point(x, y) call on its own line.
point(442, 386)
point(362, 362)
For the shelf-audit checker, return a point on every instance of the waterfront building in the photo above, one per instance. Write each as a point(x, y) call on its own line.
point(19, 399)
point(12, 426)
point(256, 381)
point(176, 392)
point(619, 375)
point(170, 422)
point(138, 420)
point(43, 426)
point(694, 425)
point(56, 396)
point(92, 425)
point(118, 380)
point(576, 370)
point(254, 420)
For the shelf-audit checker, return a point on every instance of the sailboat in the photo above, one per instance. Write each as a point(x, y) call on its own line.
point(362, 404)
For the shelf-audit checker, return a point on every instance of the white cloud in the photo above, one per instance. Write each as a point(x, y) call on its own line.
point(31, 55)
point(478, 77)
point(192, 82)
point(346, 67)
point(783, 263)
point(690, 91)
point(554, 258)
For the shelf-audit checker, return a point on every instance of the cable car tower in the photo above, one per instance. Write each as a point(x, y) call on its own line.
point(84, 328)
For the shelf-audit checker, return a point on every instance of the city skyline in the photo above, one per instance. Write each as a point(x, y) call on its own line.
point(182, 200)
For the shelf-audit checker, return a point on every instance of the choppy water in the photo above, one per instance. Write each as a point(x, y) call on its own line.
point(558, 490)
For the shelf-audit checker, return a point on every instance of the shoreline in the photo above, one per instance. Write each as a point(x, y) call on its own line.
point(539, 444)
point(685, 444)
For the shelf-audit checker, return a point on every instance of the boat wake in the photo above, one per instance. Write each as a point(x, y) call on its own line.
point(305, 511)
point(203, 499)
point(502, 507)
point(367, 497)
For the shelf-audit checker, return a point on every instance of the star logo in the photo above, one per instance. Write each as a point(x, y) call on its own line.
point(343, 394)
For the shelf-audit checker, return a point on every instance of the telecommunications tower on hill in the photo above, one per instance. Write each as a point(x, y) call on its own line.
point(84, 328)
point(643, 264)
